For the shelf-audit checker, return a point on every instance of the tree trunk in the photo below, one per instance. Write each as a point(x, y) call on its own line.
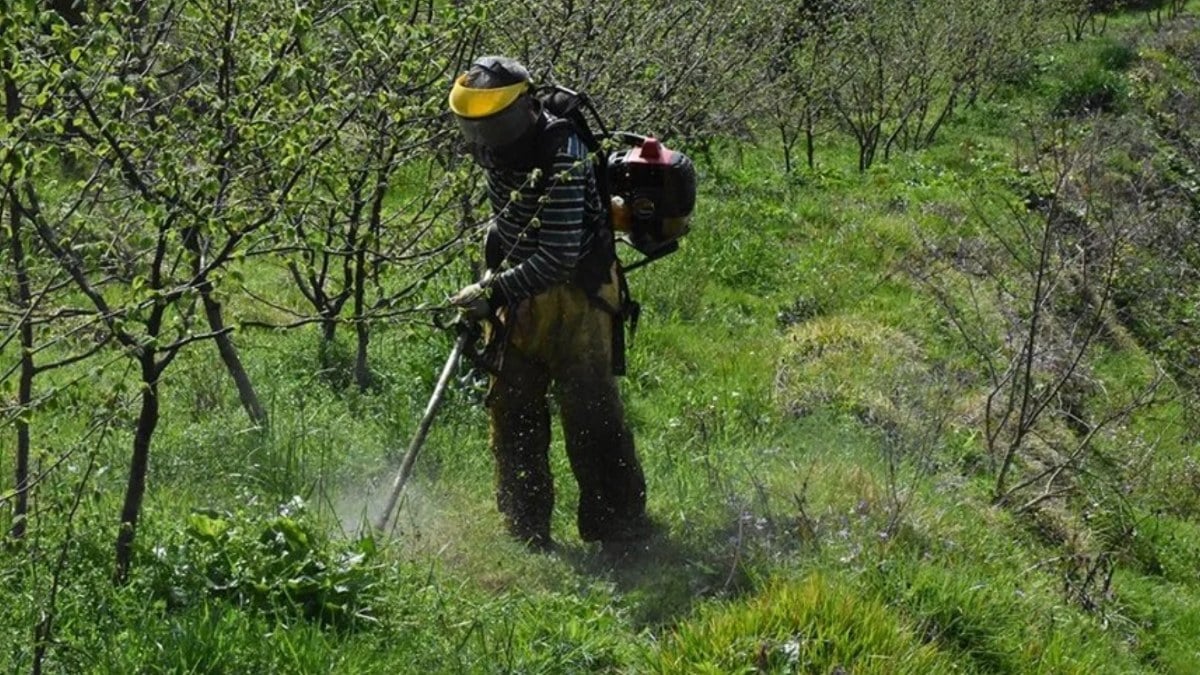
point(25, 381)
point(233, 363)
point(362, 371)
point(24, 302)
point(810, 139)
point(228, 351)
point(327, 348)
point(947, 111)
point(328, 328)
point(136, 488)
point(788, 142)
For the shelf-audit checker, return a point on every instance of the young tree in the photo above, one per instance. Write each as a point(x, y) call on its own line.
point(799, 81)
point(683, 70)
point(44, 330)
point(193, 129)
point(1050, 264)
point(373, 226)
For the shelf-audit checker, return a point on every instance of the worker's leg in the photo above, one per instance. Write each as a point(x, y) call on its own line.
point(520, 442)
point(612, 488)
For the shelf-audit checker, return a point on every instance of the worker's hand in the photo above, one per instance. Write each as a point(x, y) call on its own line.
point(473, 302)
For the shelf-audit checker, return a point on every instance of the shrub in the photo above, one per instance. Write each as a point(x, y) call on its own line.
point(279, 565)
point(1094, 91)
point(1116, 56)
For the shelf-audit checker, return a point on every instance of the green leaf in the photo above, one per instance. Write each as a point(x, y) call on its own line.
point(208, 526)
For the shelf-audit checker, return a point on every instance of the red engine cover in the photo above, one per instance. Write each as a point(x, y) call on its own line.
point(651, 151)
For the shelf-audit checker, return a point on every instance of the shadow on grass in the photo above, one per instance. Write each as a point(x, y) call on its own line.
point(663, 577)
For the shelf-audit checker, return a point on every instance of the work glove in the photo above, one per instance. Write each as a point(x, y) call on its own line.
point(473, 302)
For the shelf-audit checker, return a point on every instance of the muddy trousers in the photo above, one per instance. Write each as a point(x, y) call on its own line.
point(561, 339)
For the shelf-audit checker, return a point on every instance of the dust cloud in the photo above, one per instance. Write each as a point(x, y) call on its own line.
point(422, 524)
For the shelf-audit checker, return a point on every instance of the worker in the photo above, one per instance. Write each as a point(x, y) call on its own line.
point(552, 288)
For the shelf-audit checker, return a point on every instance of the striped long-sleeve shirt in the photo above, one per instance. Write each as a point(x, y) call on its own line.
point(544, 226)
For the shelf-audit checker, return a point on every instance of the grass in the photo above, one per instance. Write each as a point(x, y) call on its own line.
point(818, 624)
point(786, 358)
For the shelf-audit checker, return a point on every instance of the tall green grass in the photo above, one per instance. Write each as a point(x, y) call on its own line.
point(785, 367)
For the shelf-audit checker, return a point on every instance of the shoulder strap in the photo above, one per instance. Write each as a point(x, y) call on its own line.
point(555, 134)
point(553, 137)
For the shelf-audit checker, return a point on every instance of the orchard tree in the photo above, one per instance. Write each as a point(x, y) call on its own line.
point(192, 126)
point(799, 80)
point(373, 225)
point(685, 70)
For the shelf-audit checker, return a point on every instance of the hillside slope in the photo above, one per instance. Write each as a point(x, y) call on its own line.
point(936, 417)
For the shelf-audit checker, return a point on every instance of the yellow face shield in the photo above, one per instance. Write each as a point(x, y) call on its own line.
point(476, 103)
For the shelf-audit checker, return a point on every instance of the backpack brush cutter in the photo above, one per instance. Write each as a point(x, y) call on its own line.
point(468, 333)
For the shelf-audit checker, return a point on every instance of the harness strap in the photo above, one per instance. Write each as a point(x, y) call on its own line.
point(490, 358)
point(626, 309)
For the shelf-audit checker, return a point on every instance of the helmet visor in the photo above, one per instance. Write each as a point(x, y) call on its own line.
point(474, 103)
point(500, 129)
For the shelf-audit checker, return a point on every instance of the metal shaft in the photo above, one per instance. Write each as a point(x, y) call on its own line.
point(410, 457)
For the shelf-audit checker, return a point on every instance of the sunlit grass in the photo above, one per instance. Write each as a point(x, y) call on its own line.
point(780, 352)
